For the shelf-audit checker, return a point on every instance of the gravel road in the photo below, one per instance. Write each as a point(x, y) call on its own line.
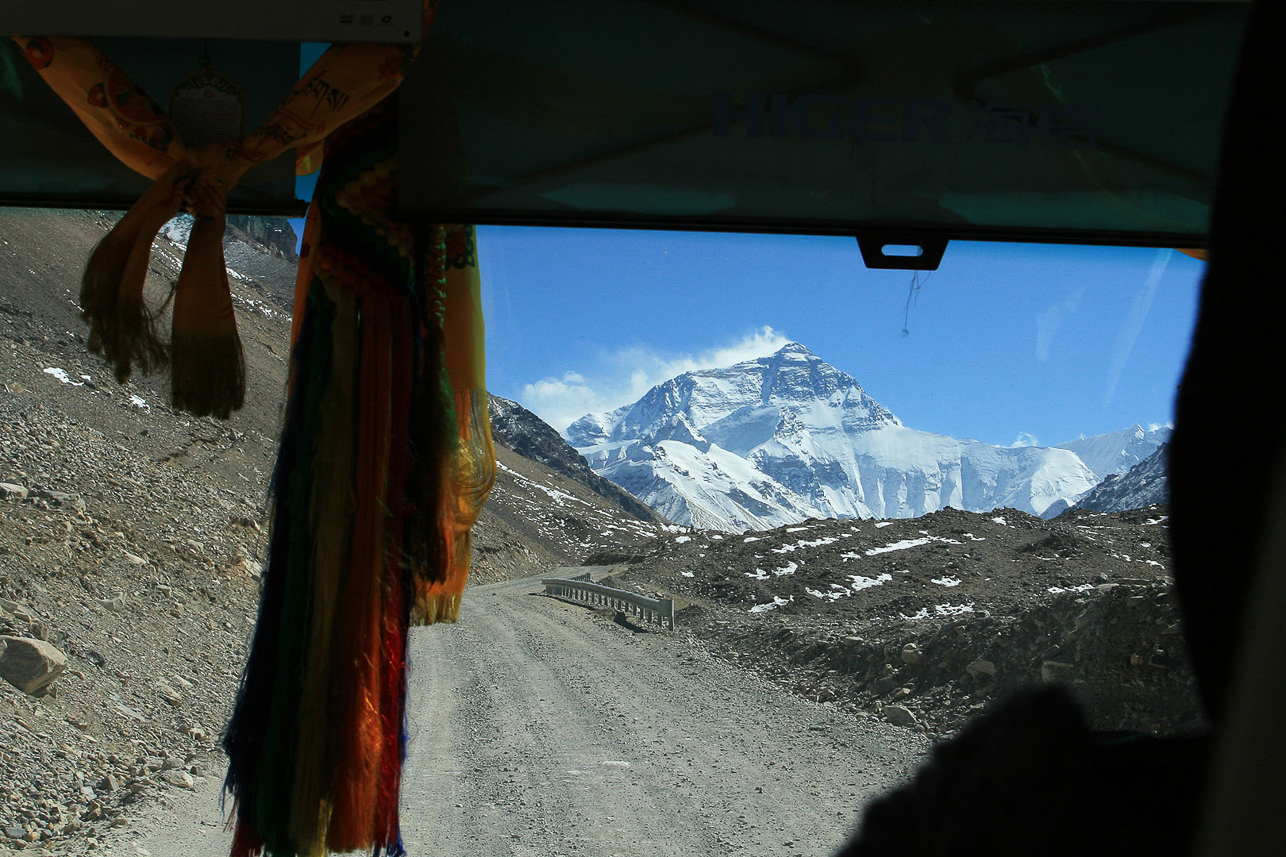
point(540, 728)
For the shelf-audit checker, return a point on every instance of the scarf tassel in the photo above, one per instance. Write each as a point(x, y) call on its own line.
point(121, 326)
point(207, 361)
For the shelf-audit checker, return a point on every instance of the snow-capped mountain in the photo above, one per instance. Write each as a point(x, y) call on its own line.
point(1116, 452)
point(1144, 484)
point(788, 437)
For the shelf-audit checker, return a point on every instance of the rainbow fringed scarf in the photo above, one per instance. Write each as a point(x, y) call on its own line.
point(386, 455)
point(385, 461)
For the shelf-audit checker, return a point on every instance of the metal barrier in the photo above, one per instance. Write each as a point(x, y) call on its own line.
point(658, 610)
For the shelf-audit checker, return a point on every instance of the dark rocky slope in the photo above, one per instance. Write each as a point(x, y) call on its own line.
point(1144, 484)
point(132, 537)
point(520, 430)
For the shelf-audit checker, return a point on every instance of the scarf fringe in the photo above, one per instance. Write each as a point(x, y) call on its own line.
point(121, 326)
point(207, 361)
point(205, 357)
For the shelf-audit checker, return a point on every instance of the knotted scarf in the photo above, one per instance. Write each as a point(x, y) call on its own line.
point(204, 355)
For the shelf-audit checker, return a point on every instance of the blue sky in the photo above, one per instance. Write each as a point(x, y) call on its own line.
point(1005, 343)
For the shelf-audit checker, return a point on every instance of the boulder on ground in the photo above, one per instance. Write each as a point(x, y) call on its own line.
point(900, 715)
point(30, 665)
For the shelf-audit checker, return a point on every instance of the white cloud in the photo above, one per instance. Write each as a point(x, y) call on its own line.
point(1024, 439)
point(623, 376)
point(1050, 321)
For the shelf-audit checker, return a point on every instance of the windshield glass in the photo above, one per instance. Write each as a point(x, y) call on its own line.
point(815, 518)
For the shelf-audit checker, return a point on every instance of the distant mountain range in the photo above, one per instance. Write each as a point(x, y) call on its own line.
point(1116, 452)
point(789, 437)
point(1144, 484)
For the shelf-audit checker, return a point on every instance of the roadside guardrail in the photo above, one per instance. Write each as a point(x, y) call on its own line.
point(658, 610)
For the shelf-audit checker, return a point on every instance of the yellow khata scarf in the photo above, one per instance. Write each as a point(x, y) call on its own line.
point(204, 354)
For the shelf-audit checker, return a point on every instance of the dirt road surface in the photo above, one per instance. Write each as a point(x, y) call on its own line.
point(539, 728)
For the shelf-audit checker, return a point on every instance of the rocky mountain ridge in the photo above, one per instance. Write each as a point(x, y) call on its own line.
point(1144, 484)
point(1114, 453)
point(787, 437)
point(527, 435)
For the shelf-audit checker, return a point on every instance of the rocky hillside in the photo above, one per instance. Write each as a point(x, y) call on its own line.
point(131, 539)
point(924, 621)
point(1142, 485)
point(527, 435)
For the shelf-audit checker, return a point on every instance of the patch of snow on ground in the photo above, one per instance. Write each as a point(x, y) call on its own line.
point(940, 609)
point(839, 591)
point(1058, 590)
point(139, 402)
point(757, 574)
point(906, 544)
point(806, 544)
point(1154, 521)
point(716, 537)
point(681, 539)
point(777, 601)
point(1000, 521)
point(796, 529)
point(883, 524)
point(953, 609)
point(61, 375)
point(749, 539)
point(947, 581)
point(788, 569)
point(687, 574)
point(860, 582)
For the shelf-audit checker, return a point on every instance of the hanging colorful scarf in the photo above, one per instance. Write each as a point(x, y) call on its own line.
point(385, 458)
point(385, 461)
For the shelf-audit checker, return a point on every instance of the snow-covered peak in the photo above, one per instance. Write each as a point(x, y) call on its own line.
point(791, 379)
point(788, 436)
point(1117, 451)
point(177, 230)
